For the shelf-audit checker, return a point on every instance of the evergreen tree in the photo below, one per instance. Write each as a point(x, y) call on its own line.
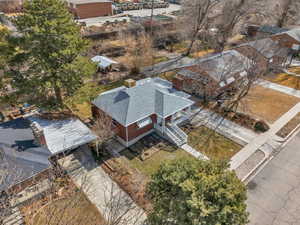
point(195, 192)
point(49, 65)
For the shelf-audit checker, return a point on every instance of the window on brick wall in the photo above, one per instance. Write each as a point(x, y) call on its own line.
point(144, 122)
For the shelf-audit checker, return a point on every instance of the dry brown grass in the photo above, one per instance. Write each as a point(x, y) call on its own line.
point(286, 79)
point(72, 211)
point(267, 104)
point(202, 53)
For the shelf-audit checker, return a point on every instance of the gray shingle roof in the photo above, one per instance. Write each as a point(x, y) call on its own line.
point(224, 65)
point(294, 33)
point(272, 29)
point(149, 96)
point(64, 134)
point(268, 48)
point(20, 157)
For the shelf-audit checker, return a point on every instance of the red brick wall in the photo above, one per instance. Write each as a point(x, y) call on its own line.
point(116, 127)
point(285, 40)
point(177, 83)
point(134, 131)
point(83, 11)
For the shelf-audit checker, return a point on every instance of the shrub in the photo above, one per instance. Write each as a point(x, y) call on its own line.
point(261, 126)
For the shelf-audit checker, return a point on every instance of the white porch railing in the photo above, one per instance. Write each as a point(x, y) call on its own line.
point(176, 134)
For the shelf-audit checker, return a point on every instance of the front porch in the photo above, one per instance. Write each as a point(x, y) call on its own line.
point(169, 125)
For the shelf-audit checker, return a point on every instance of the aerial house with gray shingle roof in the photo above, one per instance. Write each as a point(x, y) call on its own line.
point(289, 39)
point(210, 76)
point(143, 107)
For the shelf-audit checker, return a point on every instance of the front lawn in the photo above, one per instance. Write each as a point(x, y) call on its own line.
point(211, 143)
point(267, 104)
point(286, 79)
point(74, 210)
point(165, 152)
point(80, 101)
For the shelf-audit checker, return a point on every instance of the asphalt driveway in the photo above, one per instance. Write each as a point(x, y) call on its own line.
point(274, 194)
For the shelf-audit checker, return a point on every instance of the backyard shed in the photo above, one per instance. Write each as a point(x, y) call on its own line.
point(104, 63)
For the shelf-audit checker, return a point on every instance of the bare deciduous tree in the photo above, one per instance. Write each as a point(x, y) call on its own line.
point(214, 22)
point(286, 12)
point(103, 128)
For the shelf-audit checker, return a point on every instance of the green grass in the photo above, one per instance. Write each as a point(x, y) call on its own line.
point(152, 164)
point(80, 101)
point(212, 144)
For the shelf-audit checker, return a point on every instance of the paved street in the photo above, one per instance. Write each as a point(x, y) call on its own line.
point(166, 66)
point(274, 194)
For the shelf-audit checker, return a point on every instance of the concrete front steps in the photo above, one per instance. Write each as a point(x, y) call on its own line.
point(15, 218)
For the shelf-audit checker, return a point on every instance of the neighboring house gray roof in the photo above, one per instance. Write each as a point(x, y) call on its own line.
point(294, 33)
point(224, 65)
point(149, 96)
point(65, 134)
point(271, 29)
point(188, 73)
point(268, 48)
point(20, 157)
point(172, 64)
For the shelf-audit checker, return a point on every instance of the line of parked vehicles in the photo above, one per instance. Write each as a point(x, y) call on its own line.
point(142, 5)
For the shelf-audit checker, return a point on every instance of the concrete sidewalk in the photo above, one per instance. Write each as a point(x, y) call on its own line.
point(227, 128)
point(194, 152)
point(262, 139)
point(278, 87)
point(100, 189)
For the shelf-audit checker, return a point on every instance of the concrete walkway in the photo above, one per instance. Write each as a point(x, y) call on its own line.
point(227, 128)
point(100, 189)
point(280, 88)
point(194, 152)
point(166, 66)
point(264, 138)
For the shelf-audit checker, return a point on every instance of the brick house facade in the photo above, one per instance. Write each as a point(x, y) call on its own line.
point(89, 9)
point(152, 104)
point(285, 40)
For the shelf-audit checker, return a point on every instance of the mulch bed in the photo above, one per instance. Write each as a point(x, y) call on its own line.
point(241, 119)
